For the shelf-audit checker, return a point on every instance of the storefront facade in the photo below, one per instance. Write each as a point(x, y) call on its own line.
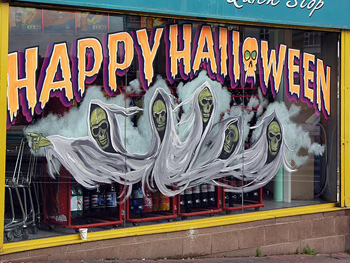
point(173, 129)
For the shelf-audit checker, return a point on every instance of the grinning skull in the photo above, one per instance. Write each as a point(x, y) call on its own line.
point(159, 115)
point(205, 100)
point(231, 138)
point(274, 137)
point(99, 127)
point(250, 55)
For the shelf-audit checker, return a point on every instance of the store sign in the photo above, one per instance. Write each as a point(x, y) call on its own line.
point(251, 63)
point(315, 13)
point(311, 5)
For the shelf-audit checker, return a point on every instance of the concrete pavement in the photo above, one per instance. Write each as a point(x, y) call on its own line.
point(336, 258)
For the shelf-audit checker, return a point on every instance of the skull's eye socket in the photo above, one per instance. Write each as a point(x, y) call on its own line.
point(104, 125)
point(156, 115)
point(278, 136)
point(95, 131)
point(162, 113)
point(205, 101)
point(271, 135)
point(247, 55)
point(254, 54)
point(232, 135)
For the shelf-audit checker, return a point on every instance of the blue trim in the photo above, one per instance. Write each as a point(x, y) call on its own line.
point(334, 13)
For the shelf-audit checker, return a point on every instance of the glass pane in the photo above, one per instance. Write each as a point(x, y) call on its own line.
point(119, 120)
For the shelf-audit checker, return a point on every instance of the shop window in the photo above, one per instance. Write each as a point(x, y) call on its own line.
point(119, 120)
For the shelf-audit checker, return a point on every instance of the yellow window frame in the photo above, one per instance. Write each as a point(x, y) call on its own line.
point(176, 226)
point(4, 32)
point(345, 119)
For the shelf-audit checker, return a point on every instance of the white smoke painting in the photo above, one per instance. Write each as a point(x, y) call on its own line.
point(171, 145)
point(186, 91)
point(296, 138)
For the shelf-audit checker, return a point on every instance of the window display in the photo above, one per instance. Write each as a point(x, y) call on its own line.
point(120, 120)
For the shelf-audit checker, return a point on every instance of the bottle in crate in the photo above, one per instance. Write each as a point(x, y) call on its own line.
point(73, 201)
point(212, 195)
point(155, 201)
point(256, 195)
point(147, 202)
point(102, 203)
point(237, 198)
point(204, 195)
point(80, 200)
point(76, 201)
point(197, 197)
point(95, 201)
point(111, 200)
point(138, 201)
point(188, 198)
point(182, 201)
point(86, 202)
point(164, 202)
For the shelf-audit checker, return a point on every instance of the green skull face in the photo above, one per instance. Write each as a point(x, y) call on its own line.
point(274, 137)
point(159, 115)
point(205, 100)
point(99, 127)
point(231, 138)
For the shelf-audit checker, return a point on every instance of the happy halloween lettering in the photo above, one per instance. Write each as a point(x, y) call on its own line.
point(221, 53)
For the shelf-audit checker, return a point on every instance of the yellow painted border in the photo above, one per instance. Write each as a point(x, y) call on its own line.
point(4, 25)
point(168, 227)
point(345, 119)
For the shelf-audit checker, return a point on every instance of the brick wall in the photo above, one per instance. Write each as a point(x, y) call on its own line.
point(323, 232)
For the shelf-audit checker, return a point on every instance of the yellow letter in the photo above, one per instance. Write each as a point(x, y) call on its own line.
point(205, 39)
point(82, 46)
point(148, 55)
point(175, 54)
point(323, 84)
point(128, 54)
point(28, 82)
point(59, 56)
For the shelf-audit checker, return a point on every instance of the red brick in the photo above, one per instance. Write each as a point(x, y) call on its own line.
point(300, 230)
point(135, 250)
point(276, 234)
point(280, 249)
point(149, 238)
point(334, 244)
point(264, 222)
point(334, 214)
point(65, 256)
point(16, 256)
point(251, 237)
point(342, 225)
point(119, 241)
point(224, 241)
point(316, 244)
point(248, 252)
point(323, 227)
point(196, 245)
point(48, 251)
point(311, 216)
point(102, 253)
point(171, 247)
point(287, 219)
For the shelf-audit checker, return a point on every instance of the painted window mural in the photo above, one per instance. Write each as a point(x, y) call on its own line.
point(121, 120)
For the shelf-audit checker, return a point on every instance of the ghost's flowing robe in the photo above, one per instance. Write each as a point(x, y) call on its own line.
point(255, 170)
point(90, 165)
point(209, 165)
point(176, 156)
